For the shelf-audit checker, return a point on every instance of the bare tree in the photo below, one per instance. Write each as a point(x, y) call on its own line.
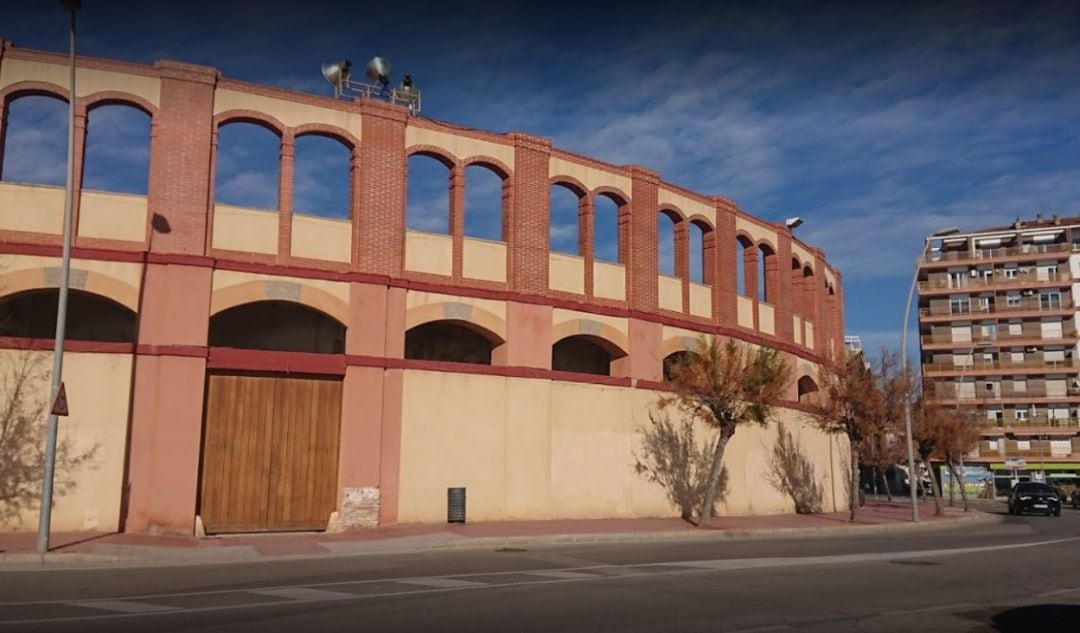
point(929, 416)
point(726, 385)
point(672, 457)
point(23, 381)
point(881, 450)
point(956, 436)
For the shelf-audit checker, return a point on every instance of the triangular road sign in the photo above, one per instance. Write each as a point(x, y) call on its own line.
point(59, 403)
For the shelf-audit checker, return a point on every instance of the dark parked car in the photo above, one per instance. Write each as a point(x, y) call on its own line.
point(1031, 496)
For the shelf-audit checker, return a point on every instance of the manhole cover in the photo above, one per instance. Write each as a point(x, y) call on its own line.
point(917, 563)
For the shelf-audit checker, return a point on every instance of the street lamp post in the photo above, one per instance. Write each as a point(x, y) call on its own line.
point(45, 512)
point(904, 366)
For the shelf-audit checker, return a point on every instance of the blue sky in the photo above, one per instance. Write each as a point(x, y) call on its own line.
point(877, 124)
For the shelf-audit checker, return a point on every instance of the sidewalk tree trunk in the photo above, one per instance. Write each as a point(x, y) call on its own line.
point(725, 385)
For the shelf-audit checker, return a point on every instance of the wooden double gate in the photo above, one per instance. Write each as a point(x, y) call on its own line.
point(270, 453)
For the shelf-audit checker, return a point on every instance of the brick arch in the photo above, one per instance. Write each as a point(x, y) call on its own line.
point(571, 183)
point(250, 116)
point(767, 244)
point(116, 97)
point(701, 222)
point(679, 344)
point(494, 164)
point(673, 212)
point(328, 131)
point(30, 89)
point(483, 321)
point(89, 281)
point(615, 194)
point(616, 340)
point(279, 290)
point(431, 151)
point(744, 238)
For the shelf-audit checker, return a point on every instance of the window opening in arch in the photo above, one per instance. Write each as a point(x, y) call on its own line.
point(35, 141)
point(796, 287)
point(484, 203)
point(565, 205)
point(427, 206)
point(321, 178)
point(448, 341)
point(741, 249)
point(606, 229)
point(117, 153)
point(765, 289)
point(674, 361)
point(581, 354)
point(90, 317)
point(696, 244)
point(809, 294)
point(247, 166)
point(665, 244)
point(281, 326)
point(807, 388)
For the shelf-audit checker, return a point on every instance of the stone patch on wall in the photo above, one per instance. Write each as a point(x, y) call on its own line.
point(359, 509)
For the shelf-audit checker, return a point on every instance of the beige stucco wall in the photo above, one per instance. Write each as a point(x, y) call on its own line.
point(700, 300)
point(97, 387)
point(243, 229)
point(688, 206)
point(796, 325)
point(232, 288)
point(746, 311)
point(755, 230)
point(539, 449)
point(609, 280)
point(461, 147)
point(429, 253)
point(591, 177)
point(321, 238)
point(32, 208)
point(416, 300)
point(483, 259)
point(114, 216)
point(119, 281)
point(766, 318)
point(562, 315)
point(809, 342)
point(87, 80)
point(566, 273)
point(670, 292)
point(804, 255)
point(290, 113)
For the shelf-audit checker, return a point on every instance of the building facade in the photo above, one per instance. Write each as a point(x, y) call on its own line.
point(997, 315)
point(253, 369)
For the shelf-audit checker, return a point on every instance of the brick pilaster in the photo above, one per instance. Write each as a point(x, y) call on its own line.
point(641, 274)
point(457, 217)
point(725, 266)
point(529, 221)
point(587, 240)
point(381, 230)
point(779, 285)
point(682, 260)
point(180, 175)
point(286, 169)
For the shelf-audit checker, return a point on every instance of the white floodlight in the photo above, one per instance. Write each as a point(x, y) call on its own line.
point(793, 223)
point(338, 72)
point(378, 69)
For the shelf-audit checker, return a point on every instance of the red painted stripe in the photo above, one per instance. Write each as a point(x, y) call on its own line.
point(267, 360)
point(46, 345)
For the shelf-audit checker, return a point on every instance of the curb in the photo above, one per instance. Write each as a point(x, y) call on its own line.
point(151, 556)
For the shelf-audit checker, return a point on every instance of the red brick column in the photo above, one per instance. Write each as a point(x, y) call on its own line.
point(641, 272)
point(782, 294)
point(381, 222)
point(180, 175)
point(682, 260)
point(750, 256)
point(725, 266)
point(354, 204)
point(457, 217)
point(587, 239)
point(286, 170)
point(530, 215)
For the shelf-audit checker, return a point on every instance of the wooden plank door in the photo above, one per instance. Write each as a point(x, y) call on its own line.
point(270, 453)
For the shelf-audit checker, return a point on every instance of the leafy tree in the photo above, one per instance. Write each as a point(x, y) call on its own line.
point(726, 385)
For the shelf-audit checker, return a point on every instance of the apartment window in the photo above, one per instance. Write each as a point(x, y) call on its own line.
point(958, 279)
point(1016, 357)
point(1050, 300)
point(1021, 414)
point(995, 414)
point(1010, 273)
point(1012, 301)
point(1016, 328)
point(984, 304)
point(1019, 385)
point(989, 331)
point(1051, 329)
point(960, 305)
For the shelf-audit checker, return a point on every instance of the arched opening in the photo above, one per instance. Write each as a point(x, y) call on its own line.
point(766, 274)
point(281, 326)
point(746, 263)
point(247, 166)
point(449, 341)
point(807, 388)
point(809, 293)
point(606, 228)
point(427, 202)
point(674, 362)
point(34, 137)
point(90, 317)
point(583, 354)
point(321, 178)
point(665, 243)
point(117, 151)
point(796, 288)
point(485, 203)
point(696, 244)
point(565, 209)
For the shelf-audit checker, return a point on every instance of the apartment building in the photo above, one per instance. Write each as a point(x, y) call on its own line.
point(997, 321)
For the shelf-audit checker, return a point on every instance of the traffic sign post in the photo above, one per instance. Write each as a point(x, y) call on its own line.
point(59, 404)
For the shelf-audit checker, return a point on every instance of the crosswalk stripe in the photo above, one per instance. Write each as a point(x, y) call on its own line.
point(441, 583)
point(562, 575)
point(303, 593)
point(123, 606)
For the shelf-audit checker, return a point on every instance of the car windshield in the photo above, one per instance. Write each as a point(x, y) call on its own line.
point(1033, 488)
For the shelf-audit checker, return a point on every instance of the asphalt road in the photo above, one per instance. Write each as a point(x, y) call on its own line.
point(1014, 574)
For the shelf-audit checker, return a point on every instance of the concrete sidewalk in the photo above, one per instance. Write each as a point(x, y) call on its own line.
point(17, 549)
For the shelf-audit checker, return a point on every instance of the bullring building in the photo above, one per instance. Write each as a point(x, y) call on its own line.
point(286, 368)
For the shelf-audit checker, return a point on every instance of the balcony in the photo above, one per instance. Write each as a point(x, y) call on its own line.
point(1009, 395)
point(1033, 422)
point(999, 339)
point(996, 282)
point(1029, 306)
point(1022, 252)
point(976, 368)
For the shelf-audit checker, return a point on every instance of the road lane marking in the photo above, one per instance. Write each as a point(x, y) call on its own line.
point(303, 593)
point(943, 607)
point(122, 606)
point(566, 575)
point(443, 583)
point(764, 629)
